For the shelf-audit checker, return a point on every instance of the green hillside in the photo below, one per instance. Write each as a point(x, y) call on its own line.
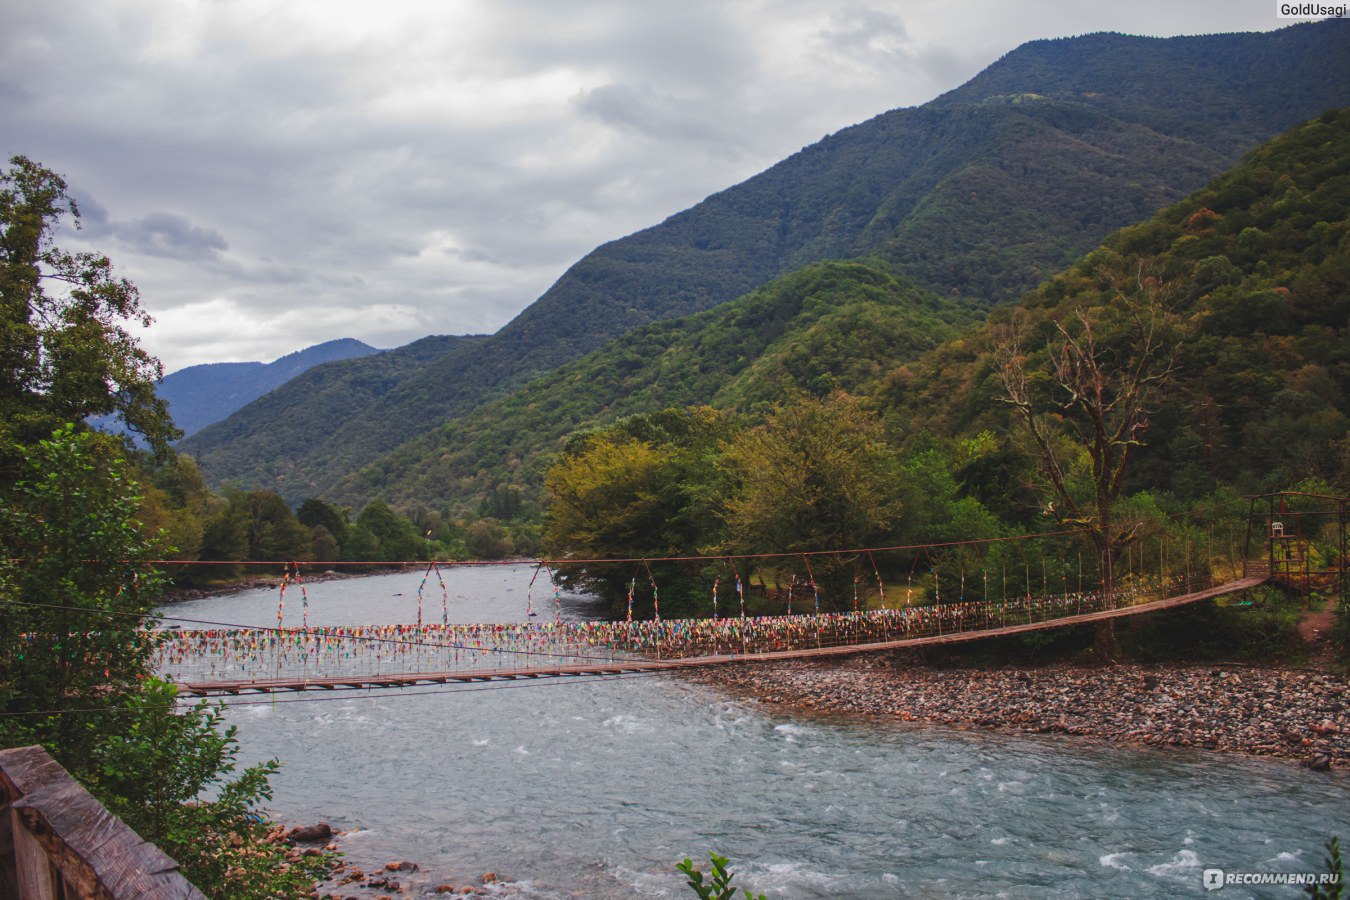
point(978, 195)
point(828, 326)
point(1229, 308)
point(306, 410)
point(1256, 268)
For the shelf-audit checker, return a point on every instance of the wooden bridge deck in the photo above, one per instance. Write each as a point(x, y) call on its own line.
point(624, 667)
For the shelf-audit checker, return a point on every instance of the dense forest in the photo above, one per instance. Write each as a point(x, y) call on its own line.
point(820, 329)
point(977, 196)
point(1233, 303)
point(236, 527)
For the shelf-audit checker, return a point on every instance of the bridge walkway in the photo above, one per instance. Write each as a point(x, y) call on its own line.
point(639, 665)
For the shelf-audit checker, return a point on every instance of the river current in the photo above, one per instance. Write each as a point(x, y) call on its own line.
point(596, 789)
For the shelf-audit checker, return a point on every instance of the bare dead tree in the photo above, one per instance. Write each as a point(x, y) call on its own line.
point(1100, 394)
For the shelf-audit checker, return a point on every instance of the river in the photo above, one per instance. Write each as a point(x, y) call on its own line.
point(596, 789)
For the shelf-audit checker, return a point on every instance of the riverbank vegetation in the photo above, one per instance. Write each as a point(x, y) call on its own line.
point(236, 530)
point(1230, 307)
point(77, 585)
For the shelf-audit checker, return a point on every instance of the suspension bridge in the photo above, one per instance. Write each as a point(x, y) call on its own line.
point(818, 635)
point(227, 660)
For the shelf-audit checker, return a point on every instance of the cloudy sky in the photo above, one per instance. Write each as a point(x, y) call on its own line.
point(275, 173)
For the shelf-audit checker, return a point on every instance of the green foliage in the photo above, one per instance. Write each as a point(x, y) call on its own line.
point(210, 825)
point(718, 885)
point(318, 421)
point(962, 471)
point(65, 351)
point(646, 486)
point(75, 600)
point(1258, 398)
point(395, 537)
point(829, 326)
point(315, 513)
point(815, 475)
point(76, 595)
point(256, 526)
point(76, 591)
point(486, 539)
point(1335, 869)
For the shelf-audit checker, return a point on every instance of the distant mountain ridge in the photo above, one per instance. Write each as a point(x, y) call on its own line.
point(201, 395)
point(977, 195)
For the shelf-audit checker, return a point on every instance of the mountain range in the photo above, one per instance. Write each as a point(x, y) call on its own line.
point(198, 396)
point(973, 198)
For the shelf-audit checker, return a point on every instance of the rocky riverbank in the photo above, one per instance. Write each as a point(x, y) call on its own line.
point(356, 875)
point(1292, 714)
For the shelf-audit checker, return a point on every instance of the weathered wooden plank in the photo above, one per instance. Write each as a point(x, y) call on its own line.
point(34, 879)
point(94, 853)
point(25, 769)
point(97, 854)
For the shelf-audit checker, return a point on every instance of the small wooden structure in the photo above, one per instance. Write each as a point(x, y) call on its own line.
point(58, 843)
point(1300, 540)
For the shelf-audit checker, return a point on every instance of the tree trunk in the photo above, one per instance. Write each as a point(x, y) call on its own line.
point(1105, 645)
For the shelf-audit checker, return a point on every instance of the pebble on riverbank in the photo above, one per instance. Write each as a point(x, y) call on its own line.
point(1291, 714)
point(357, 879)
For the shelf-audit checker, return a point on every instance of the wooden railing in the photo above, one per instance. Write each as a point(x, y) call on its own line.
point(58, 843)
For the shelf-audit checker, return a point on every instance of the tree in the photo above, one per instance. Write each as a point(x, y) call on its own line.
point(315, 512)
point(206, 821)
point(398, 539)
point(1102, 371)
point(77, 584)
point(646, 486)
point(177, 504)
point(76, 593)
point(274, 534)
point(65, 351)
point(256, 525)
point(487, 539)
point(815, 476)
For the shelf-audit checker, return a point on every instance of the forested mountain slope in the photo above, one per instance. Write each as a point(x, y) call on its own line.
point(1254, 272)
point(305, 411)
point(200, 395)
point(827, 326)
point(978, 194)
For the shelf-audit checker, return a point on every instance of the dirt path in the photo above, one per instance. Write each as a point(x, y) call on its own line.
point(1315, 627)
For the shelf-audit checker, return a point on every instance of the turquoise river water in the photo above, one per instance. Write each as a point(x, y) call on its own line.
point(596, 789)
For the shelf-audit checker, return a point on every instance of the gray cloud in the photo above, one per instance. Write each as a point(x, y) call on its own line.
point(276, 174)
point(169, 234)
point(644, 112)
point(860, 30)
point(93, 215)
